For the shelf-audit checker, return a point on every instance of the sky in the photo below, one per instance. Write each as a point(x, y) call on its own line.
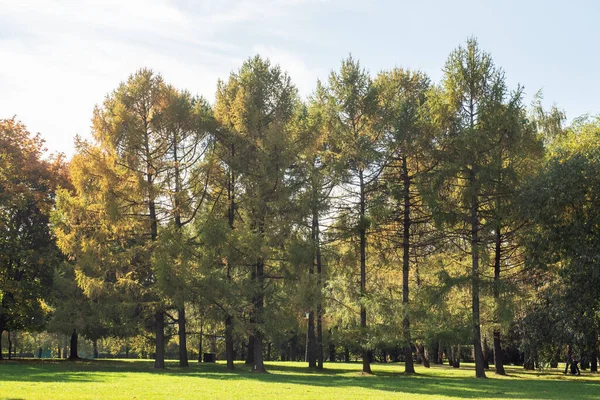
point(60, 58)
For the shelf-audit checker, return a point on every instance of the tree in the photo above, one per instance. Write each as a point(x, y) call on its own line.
point(319, 170)
point(469, 108)
point(402, 95)
point(351, 113)
point(100, 244)
point(517, 153)
point(186, 125)
point(127, 126)
point(28, 252)
point(562, 202)
point(73, 313)
point(256, 106)
point(129, 183)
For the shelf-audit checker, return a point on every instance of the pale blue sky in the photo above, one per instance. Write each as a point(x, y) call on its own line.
point(58, 58)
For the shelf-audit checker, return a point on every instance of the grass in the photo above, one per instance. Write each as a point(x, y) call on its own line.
point(126, 379)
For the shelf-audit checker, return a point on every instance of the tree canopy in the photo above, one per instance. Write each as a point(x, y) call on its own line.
point(385, 217)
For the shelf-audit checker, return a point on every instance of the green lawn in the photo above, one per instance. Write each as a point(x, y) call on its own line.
point(124, 379)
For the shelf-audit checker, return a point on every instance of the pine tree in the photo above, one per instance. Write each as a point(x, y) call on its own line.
point(129, 183)
point(319, 171)
point(256, 106)
point(517, 153)
point(351, 114)
point(402, 95)
point(128, 125)
point(186, 125)
point(73, 313)
point(468, 107)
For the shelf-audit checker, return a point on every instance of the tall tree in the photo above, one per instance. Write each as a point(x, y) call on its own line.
point(128, 125)
point(129, 183)
point(517, 153)
point(186, 125)
point(469, 107)
point(351, 112)
point(402, 95)
point(320, 173)
point(256, 106)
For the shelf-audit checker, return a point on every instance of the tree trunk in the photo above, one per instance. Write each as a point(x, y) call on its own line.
point(311, 348)
point(409, 367)
point(456, 356)
point(529, 365)
point(310, 342)
point(95, 344)
point(384, 356)
point(258, 300)
point(73, 349)
point(530, 361)
point(346, 354)
point(486, 364)
point(422, 356)
point(16, 343)
point(250, 349)
point(366, 362)
point(332, 357)
point(437, 356)
point(498, 353)
point(159, 323)
point(229, 352)
point(556, 359)
point(229, 341)
point(592, 355)
point(259, 366)
point(1, 331)
point(569, 359)
point(9, 345)
point(479, 368)
point(183, 357)
point(320, 350)
point(253, 322)
point(200, 339)
point(319, 266)
point(159, 357)
point(292, 347)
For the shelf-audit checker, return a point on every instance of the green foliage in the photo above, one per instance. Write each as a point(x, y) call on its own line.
point(382, 212)
point(562, 200)
point(28, 252)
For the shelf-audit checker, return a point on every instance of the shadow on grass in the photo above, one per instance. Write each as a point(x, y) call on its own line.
point(428, 383)
point(510, 387)
point(517, 386)
point(58, 371)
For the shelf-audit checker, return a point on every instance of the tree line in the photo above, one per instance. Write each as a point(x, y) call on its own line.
point(385, 217)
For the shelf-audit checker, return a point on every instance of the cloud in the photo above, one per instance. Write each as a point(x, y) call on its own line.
point(64, 56)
